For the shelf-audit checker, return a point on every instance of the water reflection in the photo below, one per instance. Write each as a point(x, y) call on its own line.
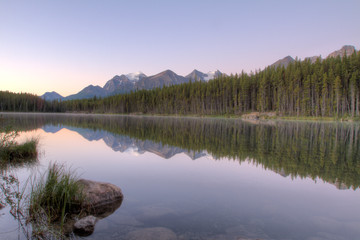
point(241, 187)
point(121, 143)
point(329, 151)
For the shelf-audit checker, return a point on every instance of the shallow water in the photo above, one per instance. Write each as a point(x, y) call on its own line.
point(188, 178)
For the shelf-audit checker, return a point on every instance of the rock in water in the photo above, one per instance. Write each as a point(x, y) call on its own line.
point(100, 197)
point(85, 226)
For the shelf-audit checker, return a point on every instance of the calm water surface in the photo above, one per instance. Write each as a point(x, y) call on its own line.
point(190, 178)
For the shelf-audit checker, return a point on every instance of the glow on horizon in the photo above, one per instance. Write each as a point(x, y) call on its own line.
point(65, 46)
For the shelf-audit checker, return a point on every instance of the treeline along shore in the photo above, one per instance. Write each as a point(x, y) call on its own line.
point(325, 88)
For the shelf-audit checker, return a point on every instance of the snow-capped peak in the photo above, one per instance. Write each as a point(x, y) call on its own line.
point(211, 75)
point(135, 76)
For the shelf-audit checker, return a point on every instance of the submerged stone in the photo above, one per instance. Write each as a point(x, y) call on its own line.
point(101, 200)
point(159, 233)
point(85, 226)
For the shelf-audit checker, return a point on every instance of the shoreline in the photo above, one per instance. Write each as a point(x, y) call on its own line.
point(249, 117)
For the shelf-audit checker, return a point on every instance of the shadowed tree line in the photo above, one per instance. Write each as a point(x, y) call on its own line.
point(330, 151)
point(21, 102)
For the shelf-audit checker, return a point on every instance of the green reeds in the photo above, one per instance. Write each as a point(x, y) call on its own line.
point(17, 152)
point(10, 150)
point(56, 194)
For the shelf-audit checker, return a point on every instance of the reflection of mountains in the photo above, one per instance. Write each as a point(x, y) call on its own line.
point(121, 143)
point(328, 151)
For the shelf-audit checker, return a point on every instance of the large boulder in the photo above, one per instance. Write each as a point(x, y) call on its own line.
point(101, 199)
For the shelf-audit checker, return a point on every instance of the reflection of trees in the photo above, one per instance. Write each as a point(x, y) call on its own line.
point(330, 151)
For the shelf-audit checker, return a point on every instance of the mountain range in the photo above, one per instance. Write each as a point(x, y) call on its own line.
point(137, 81)
point(134, 81)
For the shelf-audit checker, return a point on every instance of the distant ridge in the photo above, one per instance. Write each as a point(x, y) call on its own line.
point(165, 78)
point(131, 82)
point(126, 83)
point(345, 50)
point(88, 92)
point(119, 84)
point(283, 62)
point(313, 59)
point(196, 75)
point(51, 96)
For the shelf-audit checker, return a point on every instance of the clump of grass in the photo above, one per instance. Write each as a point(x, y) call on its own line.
point(10, 150)
point(56, 194)
point(16, 152)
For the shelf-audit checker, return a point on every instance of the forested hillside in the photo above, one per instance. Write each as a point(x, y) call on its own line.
point(329, 87)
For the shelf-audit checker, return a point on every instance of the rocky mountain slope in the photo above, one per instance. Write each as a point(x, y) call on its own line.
point(134, 81)
point(345, 50)
point(283, 62)
point(165, 78)
point(51, 96)
point(88, 92)
point(196, 75)
point(137, 81)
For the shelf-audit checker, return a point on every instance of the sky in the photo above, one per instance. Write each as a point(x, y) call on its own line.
point(66, 45)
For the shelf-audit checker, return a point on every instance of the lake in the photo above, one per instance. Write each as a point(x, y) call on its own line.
point(205, 178)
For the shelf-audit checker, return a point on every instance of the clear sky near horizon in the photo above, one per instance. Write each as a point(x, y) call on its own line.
point(66, 45)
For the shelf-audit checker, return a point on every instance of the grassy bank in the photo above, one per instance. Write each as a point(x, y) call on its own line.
point(43, 205)
point(19, 152)
point(12, 151)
